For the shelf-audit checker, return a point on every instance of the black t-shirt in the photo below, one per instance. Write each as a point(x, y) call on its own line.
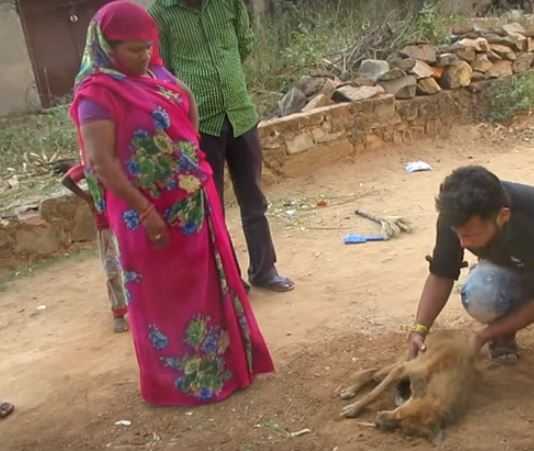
point(513, 247)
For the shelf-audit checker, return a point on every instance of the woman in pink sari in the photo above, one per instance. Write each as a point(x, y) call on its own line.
point(195, 335)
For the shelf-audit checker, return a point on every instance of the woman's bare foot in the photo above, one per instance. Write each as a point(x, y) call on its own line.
point(120, 325)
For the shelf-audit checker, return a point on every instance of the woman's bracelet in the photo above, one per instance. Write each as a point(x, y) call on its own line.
point(144, 214)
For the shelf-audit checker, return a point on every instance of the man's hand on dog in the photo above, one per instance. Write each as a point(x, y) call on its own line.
point(416, 344)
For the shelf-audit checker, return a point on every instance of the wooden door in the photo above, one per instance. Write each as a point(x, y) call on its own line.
point(55, 33)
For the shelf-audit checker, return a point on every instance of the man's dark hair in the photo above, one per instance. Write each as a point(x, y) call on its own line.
point(470, 191)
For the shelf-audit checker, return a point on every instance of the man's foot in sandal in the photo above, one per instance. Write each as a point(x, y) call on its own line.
point(504, 351)
point(6, 409)
point(277, 284)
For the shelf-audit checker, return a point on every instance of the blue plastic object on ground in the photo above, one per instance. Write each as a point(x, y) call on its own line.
point(355, 238)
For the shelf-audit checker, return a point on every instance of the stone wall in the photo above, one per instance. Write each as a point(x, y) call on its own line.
point(292, 145)
point(320, 136)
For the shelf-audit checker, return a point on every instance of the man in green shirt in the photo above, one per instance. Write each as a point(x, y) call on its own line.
point(204, 42)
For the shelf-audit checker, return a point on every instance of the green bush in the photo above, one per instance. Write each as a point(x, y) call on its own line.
point(511, 96)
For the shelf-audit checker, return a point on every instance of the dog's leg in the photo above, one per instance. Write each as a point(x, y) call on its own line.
point(354, 409)
point(359, 381)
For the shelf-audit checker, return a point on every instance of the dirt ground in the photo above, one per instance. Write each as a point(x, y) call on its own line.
point(71, 378)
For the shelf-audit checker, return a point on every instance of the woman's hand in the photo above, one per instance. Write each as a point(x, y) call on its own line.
point(156, 229)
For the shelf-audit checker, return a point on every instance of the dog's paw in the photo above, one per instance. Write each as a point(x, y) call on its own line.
point(352, 410)
point(349, 392)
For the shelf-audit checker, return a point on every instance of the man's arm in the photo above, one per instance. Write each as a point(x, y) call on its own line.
point(164, 38)
point(245, 35)
point(435, 295)
point(445, 268)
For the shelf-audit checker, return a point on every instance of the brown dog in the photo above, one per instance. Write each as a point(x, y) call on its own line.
point(440, 381)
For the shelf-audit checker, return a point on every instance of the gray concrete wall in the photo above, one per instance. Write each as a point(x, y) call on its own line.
point(18, 92)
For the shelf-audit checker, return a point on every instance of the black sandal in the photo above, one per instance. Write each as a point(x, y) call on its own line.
point(6, 409)
point(277, 284)
point(504, 353)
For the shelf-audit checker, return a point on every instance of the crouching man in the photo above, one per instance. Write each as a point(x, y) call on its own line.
point(494, 220)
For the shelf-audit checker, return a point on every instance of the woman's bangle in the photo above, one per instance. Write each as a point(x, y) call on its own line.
point(144, 214)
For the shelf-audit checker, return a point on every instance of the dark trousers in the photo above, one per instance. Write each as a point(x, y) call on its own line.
point(243, 156)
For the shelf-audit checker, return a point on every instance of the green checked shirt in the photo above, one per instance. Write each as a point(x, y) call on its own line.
point(205, 47)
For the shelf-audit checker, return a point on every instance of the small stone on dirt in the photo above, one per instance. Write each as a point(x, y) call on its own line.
point(465, 53)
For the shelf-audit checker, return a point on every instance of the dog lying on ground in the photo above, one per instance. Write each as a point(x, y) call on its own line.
point(434, 387)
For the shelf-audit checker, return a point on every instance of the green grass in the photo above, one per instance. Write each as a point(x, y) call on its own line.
point(28, 270)
point(296, 40)
point(511, 96)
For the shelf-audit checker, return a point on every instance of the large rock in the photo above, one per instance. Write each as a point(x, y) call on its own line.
point(422, 52)
point(405, 64)
point(523, 62)
point(360, 81)
point(393, 74)
point(428, 86)
point(479, 76)
point(481, 63)
point(504, 51)
point(402, 88)
point(437, 72)
point(513, 28)
point(501, 69)
point(328, 88)
point(478, 44)
point(447, 59)
point(292, 102)
point(310, 85)
point(517, 41)
point(421, 70)
point(457, 76)
point(493, 56)
point(84, 225)
point(318, 101)
point(37, 238)
point(465, 53)
point(373, 69)
point(353, 94)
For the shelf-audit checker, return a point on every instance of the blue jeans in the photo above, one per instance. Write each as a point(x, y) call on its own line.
point(493, 291)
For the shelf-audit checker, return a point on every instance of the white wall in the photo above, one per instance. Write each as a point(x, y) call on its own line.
point(18, 91)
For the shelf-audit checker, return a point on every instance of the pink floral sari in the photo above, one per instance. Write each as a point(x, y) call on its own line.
point(195, 335)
